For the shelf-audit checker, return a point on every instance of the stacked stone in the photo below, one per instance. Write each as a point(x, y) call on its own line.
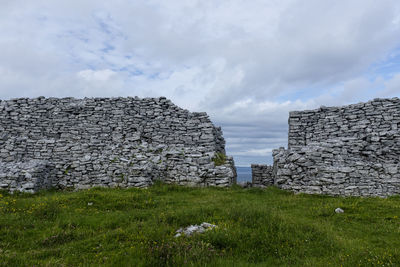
point(262, 175)
point(29, 176)
point(375, 121)
point(222, 175)
point(306, 170)
point(109, 142)
point(350, 150)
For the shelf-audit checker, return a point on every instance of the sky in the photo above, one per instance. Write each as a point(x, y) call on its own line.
point(245, 63)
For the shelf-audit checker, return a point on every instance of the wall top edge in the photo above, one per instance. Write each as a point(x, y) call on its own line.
point(373, 102)
point(87, 98)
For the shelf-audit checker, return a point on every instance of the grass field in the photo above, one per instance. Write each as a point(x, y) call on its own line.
point(136, 227)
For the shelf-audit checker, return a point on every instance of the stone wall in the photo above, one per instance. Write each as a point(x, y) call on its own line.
point(262, 175)
point(374, 123)
point(349, 150)
point(111, 142)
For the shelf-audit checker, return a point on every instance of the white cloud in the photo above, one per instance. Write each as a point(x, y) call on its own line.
point(392, 86)
point(99, 75)
point(254, 152)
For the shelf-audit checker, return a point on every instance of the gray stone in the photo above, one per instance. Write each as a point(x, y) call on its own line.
point(111, 142)
point(350, 150)
point(339, 210)
point(246, 184)
point(193, 229)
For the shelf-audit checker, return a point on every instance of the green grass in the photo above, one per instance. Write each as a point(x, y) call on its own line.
point(219, 159)
point(136, 227)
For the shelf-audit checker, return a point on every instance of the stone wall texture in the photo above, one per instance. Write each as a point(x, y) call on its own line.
point(109, 142)
point(350, 150)
point(262, 175)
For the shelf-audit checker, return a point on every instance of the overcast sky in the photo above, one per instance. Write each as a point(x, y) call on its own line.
point(245, 63)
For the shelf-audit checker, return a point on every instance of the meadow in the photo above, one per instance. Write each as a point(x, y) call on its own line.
point(136, 227)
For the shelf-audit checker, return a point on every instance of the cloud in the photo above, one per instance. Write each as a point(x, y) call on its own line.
point(96, 76)
point(392, 86)
point(254, 152)
point(246, 63)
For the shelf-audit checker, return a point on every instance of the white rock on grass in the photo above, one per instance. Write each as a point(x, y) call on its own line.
point(192, 229)
point(339, 210)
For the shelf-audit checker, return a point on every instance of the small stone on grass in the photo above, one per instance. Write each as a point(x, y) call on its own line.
point(192, 229)
point(339, 210)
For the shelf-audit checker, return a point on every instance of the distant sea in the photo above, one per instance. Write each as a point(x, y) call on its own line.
point(243, 174)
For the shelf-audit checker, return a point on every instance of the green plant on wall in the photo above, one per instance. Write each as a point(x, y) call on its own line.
point(219, 159)
point(66, 171)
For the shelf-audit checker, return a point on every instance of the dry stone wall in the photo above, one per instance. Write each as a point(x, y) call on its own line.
point(110, 142)
point(262, 175)
point(350, 150)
